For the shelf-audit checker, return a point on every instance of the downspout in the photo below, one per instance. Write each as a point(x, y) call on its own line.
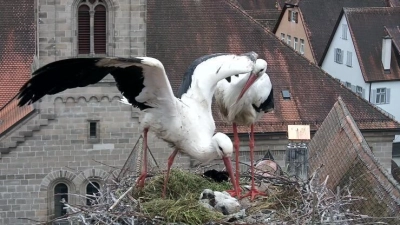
point(369, 95)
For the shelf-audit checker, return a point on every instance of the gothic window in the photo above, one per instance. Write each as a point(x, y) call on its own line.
point(92, 27)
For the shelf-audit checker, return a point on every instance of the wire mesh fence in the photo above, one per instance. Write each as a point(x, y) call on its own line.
point(347, 160)
point(133, 164)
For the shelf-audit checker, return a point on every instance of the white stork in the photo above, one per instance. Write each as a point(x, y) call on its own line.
point(186, 123)
point(245, 107)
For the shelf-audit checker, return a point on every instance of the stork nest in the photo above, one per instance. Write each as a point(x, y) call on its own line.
point(289, 201)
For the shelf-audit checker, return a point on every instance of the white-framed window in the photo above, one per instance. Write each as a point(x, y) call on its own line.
point(289, 40)
point(349, 59)
point(348, 85)
point(282, 36)
point(381, 95)
point(295, 43)
point(344, 31)
point(301, 46)
point(360, 91)
point(293, 16)
point(338, 55)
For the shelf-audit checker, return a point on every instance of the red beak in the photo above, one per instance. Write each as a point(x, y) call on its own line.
point(248, 84)
point(228, 166)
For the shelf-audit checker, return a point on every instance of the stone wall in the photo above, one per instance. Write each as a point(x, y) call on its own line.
point(57, 29)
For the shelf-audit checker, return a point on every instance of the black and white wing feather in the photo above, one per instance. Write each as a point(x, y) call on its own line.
point(141, 80)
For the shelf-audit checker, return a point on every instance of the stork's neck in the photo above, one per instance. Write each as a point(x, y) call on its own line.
point(201, 92)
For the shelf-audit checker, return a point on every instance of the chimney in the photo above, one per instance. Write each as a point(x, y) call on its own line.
point(386, 52)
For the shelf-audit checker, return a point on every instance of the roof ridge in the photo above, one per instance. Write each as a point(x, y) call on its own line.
point(311, 63)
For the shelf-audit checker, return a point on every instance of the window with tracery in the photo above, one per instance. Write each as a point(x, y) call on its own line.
point(92, 27)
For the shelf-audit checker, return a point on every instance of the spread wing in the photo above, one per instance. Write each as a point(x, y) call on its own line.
point(141, 80)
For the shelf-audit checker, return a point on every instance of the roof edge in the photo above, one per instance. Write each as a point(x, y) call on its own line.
point(331, 37)
point(286, 6)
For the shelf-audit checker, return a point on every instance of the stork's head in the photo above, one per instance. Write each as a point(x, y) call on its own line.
point(224, 147)
point(260, 68)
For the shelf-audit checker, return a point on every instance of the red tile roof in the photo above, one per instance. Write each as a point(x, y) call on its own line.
point(348, 160)
point(178, 32)
point(367, 27)
point(320, 17)
point(264, 11)
point(394, 33)
point(17, 46)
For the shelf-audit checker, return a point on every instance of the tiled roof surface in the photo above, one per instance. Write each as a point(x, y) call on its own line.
point(367, 27)
point(394, 3)
point(320, 17)
point(264, 11)
point(348, 160)
point(178, 32)
point(257, 4)
point(17, 46)
point(394, 33)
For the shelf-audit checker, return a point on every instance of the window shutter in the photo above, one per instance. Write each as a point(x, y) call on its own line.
point(296, 15)
point(387, 95)
point(373, 100)
point(353, 88)
point(363, 93)
point(334, 55)
point(83, 30)
point(100, 32)
point(289, 14)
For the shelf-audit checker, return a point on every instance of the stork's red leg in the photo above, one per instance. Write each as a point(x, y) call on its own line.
point(237, 190)
point(170, 161)
point(253, 191)
point(143, 175)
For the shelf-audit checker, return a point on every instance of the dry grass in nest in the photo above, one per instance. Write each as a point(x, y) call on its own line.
point(181, 203)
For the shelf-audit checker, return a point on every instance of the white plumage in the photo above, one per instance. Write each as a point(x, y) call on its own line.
point(185, 123)
point(245, 108)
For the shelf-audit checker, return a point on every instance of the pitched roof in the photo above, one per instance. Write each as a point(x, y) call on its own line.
point(394, 33)
point(17, 46)
point(178, 32)
point(320, 17)
point(367, 27)
point(264, 11)
point(348, 160)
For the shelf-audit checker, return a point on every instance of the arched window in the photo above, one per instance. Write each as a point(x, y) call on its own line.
point(60, 192)
point(92, 27)
point(91, 189)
